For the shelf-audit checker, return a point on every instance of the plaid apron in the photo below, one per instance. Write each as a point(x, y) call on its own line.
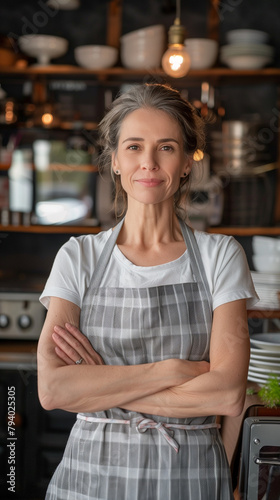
point(122, 455)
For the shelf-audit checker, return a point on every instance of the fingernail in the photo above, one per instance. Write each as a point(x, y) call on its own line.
point(55, 336)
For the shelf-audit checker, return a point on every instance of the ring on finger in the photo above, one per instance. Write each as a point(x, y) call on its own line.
point(79, 361)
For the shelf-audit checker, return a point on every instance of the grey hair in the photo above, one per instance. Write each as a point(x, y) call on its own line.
point(157, 96)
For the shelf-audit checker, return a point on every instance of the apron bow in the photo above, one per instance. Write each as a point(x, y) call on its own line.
point(148, 423)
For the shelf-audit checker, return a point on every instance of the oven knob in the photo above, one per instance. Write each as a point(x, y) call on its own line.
point(24, 321)
point(4, 320)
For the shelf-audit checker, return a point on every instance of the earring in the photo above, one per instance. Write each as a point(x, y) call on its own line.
point(185, 174)
point(117, 172)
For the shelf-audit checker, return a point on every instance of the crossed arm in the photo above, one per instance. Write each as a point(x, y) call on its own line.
point(173, 387)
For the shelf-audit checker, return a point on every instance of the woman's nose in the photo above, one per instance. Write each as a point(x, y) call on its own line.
point(149, 162)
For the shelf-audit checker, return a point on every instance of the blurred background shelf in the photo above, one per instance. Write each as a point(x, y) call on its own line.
point(245, 231)
point(118, 71)
point(51, 229)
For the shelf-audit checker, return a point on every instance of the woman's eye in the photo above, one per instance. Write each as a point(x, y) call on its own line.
point(167, 148)
point(133, 147)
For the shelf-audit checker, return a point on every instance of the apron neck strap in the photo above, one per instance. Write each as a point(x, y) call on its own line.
point(195, 257)
point(105, 256)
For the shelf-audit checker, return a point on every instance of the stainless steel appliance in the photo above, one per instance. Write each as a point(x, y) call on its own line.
point(260, 459)
point(21, 315)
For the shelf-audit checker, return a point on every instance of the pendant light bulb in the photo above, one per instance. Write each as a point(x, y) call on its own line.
point(176, 61)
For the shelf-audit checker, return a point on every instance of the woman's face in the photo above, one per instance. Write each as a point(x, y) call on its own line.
point(150, 156)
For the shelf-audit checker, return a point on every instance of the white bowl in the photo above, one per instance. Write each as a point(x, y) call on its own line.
point(256, 49)
point(43, 47)
point(155, 31)
point(247, 35)
point(142, 55)
point(202, 51)
point(246, 61)
point(267, 263)
point(96, 56)
point(264, 245)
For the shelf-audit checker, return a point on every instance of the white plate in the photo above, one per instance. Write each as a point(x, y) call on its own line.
point(265, 359)
point(263, 371)
point(263, 377)
point(264, 367)
point(261, 353)
point(258, 375)
point(253, 378)
point(269, 341)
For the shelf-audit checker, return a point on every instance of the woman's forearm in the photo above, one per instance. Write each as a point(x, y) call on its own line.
point(94, 386)
point(91, 388)
point(208, 394)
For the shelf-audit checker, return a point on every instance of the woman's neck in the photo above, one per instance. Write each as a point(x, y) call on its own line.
point(150, 225)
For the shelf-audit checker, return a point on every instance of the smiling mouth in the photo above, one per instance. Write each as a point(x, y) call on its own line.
point(149, 182)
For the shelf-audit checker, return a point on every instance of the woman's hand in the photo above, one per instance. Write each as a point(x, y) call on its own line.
point(72, 345)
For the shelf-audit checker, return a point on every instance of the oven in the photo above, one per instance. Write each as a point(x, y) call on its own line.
point(38, 436)
point(21, 316)
point(260, 459)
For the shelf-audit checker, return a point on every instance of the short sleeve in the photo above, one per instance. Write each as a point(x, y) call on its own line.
point(64, 280)
point(232, 279)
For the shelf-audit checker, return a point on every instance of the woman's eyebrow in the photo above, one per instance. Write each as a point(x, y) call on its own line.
point(168, 139)
point(165, 139)
point(133, 139)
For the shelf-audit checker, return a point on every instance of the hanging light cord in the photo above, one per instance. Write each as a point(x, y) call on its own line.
point(178, 9)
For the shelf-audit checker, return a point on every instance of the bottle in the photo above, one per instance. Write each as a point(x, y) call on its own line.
point(21, 186)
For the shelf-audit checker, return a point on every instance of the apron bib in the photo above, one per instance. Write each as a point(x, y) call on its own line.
point(122, 455)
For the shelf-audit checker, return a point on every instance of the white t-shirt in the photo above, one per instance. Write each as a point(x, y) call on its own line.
point(223, 257)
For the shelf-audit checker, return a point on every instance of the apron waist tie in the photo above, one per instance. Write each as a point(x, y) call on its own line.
point(143, 424)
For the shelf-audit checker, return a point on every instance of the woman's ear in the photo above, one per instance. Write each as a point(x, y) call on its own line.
point(188, 166)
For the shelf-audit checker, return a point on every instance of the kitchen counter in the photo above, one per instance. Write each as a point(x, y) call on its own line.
point(19, 355)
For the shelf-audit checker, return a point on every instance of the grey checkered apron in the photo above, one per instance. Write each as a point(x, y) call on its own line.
point(123, 455)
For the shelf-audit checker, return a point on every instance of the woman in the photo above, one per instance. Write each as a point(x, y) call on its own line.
point(164, 346)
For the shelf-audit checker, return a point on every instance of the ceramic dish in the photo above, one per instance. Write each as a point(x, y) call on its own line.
point(262, 376)
point(268, 341)
point(247, 36)
point(265, 359)
point(256, 373)
point(264, 366)
point(264, 353)
point(253, 378)
point(246, 61)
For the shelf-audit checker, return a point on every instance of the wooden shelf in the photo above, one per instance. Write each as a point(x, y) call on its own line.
point(51, 229)
point(212, 74)
point(264, 313)
point(245, 231)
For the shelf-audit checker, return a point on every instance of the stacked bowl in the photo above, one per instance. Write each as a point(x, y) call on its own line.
point(246, 49)
point(266, 254)
point(143, 48)
point(264, 357)
point(239, 156)
point(266, 277)
point(237, 148)
point(203, 52)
